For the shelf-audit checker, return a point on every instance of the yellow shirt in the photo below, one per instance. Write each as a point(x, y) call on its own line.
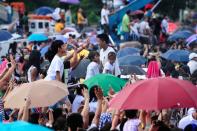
point(80, 18)
point(59, 27)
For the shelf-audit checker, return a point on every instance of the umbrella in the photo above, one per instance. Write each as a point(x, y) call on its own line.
point(134, 44)
point(156, 94)
point(70, 1)
point(138, 12)
point(191, 39)
point(22, 126)
point(41, 93)
point(106, 81)
point(128, 51)
point(132, 60)
point(81, 69)
point(44, 50)
point(177, 55)
point(44, 10)
point(127, 70)
point(180, 35)
point(172, 27)
point(5, 35)
point(37, 37)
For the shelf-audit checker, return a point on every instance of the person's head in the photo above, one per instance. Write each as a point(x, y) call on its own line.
point(194, 114)
point(42, 120)
point(60, 123)
point(158, 126)
point(131, 114)
point(58, 47)
point(34, 118)
point(193, 56)
point(129, 12)
point(74, 121)
point(34, 59)
point(103, 40)
point(43, 74)
point(92, 93)
point(112, 57)
point(80, 89)
point(94, 56)
point(80, 10)
point(105, 6)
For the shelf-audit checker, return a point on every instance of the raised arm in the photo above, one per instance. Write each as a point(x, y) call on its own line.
point(85, 111)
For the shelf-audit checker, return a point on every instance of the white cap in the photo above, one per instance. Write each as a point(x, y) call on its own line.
point(61, 37)
point(192, 55)
point(191, 111)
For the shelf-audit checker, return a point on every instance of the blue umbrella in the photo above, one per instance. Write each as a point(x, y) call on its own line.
point(192, 39)
point(70, 1)
point(37, 37)
point(5, 35)
point(131, 69)
point(131, 60)
point(44, 10)
point(180, 35)
point(177, 55)
point(44, 50)
point(128, 51)
point(22, 126)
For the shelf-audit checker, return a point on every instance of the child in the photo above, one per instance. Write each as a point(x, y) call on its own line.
point(109, 67)
point(93, 67)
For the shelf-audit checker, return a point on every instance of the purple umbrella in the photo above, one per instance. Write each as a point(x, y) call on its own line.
point(70, 1)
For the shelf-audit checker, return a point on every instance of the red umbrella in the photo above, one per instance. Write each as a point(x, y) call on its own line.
point(155, 94)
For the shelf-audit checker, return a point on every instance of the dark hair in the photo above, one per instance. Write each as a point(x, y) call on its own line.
point(106, 127)
point(74, 121)
point(111, 53)
point(60, 123)
point(128, 12)
point(80, 88)
point(34, 59)
point(92, 94)
point(161, 126)
point(92, 55)
point(94, 129)
point(103, 37)
point(54, 49)
point(57, 112)
point(91, 117)
point(34, 118)
point(131, 113)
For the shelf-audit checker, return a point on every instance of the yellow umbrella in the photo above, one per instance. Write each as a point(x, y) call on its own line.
point(84, 53)
point(41, 93)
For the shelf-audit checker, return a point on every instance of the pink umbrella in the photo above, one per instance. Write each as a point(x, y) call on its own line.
point(70, 1)
point(155, 94)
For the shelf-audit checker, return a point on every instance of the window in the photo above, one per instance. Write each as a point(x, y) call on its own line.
point(33, 25)
point(46, 24)
point(40, 25)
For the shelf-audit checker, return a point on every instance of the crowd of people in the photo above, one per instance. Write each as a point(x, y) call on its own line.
point(85, 109)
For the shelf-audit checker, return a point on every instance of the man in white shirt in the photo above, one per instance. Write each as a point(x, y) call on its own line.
point(192, 63)
point(144, 27)
point(103, 41)
point(164, 25)
point(190, 119)
point(105, 19)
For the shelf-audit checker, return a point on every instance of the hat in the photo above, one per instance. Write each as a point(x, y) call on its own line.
point(192, 55)
point(191, 111)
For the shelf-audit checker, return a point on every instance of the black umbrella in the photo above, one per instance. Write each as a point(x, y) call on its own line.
point(81, 69)
point(131, 69)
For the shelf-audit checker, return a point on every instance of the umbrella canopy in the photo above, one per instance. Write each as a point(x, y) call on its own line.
point(41, 93)
point(132, 60)
point(22, 126)
point(44, 10)
point(70, 1)
point(191, 39)
point(106, 81)
point(180, 35)
point(5, 35)
point(156, 94)
point(44, 50)
point(80, 71)
point(37, 37)
point(128, 51)
point(134, 44)
point(127, 70)
point(177, 55)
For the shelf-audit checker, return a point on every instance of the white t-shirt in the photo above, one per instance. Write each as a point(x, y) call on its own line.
point(57, 64)
point(143, 26)
point(92, 70)
point(104, 59)
point(77, 103)
point(164, 25)
point(104, 13)
point(93, 106)
point(131, 125)
point(109, 68)
point(186, 121)
point(192, 66)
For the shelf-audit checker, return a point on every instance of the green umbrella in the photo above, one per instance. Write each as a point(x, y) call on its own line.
point(106, 81)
